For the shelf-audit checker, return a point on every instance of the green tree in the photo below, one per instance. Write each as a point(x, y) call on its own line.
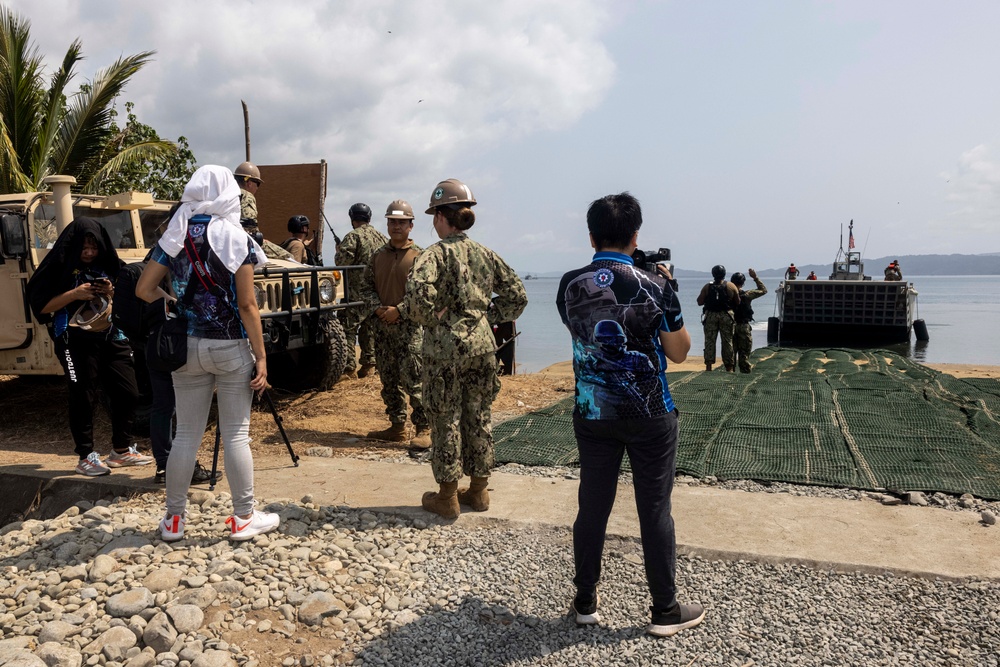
point(45, 131)
point(163, 175)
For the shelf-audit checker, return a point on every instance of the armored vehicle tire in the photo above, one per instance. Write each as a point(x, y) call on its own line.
point(316, 367)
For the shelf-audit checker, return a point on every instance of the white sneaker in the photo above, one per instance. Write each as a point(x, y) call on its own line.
point(172, 527)
point(258, 524)
point(92, 466)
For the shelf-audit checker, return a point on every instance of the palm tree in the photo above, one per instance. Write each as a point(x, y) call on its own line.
point(45, 131)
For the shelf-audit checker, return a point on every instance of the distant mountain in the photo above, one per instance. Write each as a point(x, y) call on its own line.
point(987, 264)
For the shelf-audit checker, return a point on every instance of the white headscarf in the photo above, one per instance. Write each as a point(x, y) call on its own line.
point(213, 191)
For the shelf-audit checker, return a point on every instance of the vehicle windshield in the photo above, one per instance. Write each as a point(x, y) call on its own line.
point(118, 224)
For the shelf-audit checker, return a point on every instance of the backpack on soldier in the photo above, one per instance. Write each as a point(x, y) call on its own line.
point(743, 313)
point(717, 298)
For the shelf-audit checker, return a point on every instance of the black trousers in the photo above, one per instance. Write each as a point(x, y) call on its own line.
point(92, 361)
point(161, 416)
point(651, 445)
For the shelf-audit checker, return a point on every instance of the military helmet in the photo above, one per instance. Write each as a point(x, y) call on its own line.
point(93, 315)
point(399, 210)
point(298, 224)
point(609, 333)
point(718, 272)
point(738, 279)
point(360, 212)
point(249, 171)
point(450, 191)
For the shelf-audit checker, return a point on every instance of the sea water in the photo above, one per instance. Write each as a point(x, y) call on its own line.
point(962, 315)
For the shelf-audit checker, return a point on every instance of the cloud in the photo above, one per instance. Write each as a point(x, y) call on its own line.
point(391, 93)
point(973, 192)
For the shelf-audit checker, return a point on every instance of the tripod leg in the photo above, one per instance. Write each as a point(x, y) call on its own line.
point(215, 456)
point(277, 420)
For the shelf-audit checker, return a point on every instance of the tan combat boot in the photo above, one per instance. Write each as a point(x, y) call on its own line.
point(395, 433)
point(422, 438)
point(444, 503)
point(476, 496)
point(366, 370)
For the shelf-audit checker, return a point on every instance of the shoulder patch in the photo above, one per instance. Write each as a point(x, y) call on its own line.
point(604, 277)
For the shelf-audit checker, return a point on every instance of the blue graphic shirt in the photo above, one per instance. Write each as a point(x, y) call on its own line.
point(210, 315)
point(614, 312)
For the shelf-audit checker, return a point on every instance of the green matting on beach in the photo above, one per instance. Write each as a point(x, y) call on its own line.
point(832, 417)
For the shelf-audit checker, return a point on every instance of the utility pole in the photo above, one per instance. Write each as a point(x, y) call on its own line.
point(246, 127)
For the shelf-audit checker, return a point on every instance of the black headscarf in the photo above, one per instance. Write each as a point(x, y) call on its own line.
point(55, 274)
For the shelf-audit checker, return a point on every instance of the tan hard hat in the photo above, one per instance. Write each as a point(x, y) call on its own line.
point(94, 315)
point(451, 191)
point(248, 170)
point(399, 210)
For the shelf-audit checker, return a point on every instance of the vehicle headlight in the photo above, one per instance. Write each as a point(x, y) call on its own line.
point(327, 290)
point(260, 295)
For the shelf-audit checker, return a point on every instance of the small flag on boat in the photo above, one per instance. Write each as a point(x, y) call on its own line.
point(850, 236)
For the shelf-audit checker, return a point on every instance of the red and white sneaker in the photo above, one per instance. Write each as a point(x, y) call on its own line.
point(172, 527)
point(258, 524)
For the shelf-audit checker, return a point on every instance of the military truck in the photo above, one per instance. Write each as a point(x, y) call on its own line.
point(298, 304)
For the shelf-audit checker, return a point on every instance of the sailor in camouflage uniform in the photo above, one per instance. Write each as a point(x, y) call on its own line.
point(397, 337)
point(357, 247)
point(743, 332)
point(248, 178)
point(449, 293)
point(717, 317)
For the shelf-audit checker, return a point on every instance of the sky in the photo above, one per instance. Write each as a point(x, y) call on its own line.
point(751, 132)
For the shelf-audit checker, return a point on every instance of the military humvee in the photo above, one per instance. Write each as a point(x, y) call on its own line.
point(305, 341)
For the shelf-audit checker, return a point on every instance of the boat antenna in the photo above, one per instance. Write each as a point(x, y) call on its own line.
point(865, 248)
point(840, 252)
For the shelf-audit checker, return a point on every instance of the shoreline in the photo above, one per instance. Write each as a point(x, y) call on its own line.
point(696, 363)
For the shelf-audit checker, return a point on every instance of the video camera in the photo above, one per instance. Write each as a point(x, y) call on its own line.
point(648, 260)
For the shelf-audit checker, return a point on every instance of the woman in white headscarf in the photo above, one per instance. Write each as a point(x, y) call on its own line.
point(206, 252)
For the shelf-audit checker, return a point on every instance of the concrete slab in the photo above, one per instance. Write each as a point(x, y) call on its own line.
point(711, 522)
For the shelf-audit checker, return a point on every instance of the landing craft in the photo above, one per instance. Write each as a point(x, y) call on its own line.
point(847, 309)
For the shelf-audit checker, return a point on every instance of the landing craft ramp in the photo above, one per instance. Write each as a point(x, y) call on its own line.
point(829, 417)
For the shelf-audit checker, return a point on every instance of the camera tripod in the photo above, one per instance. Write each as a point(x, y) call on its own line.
point(264, 396)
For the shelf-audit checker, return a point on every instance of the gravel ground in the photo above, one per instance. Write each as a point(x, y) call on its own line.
point(336, 585)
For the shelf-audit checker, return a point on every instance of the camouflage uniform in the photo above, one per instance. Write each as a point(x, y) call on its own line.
point(460, 368)
point(397, 345)
point(742, 333)
point(248, 211)
point(357, 247)
point(719, 323)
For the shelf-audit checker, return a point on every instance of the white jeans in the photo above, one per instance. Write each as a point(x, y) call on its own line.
point(223, 365)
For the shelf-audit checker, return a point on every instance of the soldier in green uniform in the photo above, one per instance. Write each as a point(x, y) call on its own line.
point(397, 337)
point(248, 178)
point(718, 299)
point(450, 293)
point(357, 247)
point(743, 316)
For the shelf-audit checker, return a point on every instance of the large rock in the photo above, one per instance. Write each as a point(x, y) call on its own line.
point(318, 606)
point(56, 631)
point(56, 655)
point(186, 617)
point(159, 633)
point(102, 566)
point(200, 597)
point(214, 658)
point(163, 579)
point(125, 544)
point(129, 603)
point(113, 643)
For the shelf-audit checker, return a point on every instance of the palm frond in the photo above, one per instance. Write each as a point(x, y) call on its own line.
point(54, 110)
point(86, 125)
point(130, 155)
point(12, 179)
point(21, 87)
